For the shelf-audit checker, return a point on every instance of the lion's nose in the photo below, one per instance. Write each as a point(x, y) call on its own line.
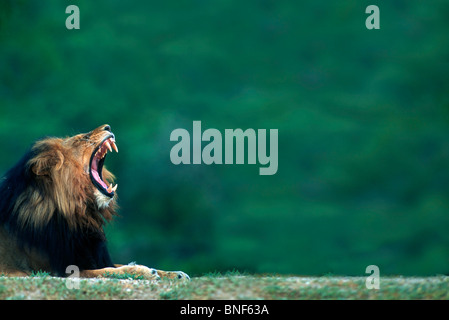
point(107, 128)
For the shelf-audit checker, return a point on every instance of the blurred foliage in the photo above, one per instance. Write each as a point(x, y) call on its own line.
point(362, 115)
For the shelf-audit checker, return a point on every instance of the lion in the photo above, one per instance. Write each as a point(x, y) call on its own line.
point(54, 204)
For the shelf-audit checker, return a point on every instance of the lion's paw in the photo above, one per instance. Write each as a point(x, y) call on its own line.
point(173, 275)
point(140, 271)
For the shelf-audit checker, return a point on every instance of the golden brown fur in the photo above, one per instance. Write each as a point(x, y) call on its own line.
point(53, 206)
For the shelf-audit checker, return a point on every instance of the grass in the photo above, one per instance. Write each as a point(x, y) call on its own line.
point(231, 285)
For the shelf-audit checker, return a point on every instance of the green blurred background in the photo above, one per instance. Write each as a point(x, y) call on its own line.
point(363, 120)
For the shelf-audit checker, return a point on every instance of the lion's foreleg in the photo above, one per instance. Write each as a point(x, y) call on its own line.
point(121, 270)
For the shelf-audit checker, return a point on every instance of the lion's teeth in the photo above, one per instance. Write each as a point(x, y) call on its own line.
point(114, 146)
point(115, 187)
point(110, 188)
point(108, 145)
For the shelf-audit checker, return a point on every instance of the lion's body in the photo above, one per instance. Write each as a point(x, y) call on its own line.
point(53, 206)
point(34, 235)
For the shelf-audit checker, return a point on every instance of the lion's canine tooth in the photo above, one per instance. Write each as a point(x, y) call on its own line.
point(115, 187)
point(114, 146)
point(108, 145)
point(110, 188)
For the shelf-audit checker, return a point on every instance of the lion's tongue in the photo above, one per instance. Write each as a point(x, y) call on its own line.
point(97, 178)
point(96, 175)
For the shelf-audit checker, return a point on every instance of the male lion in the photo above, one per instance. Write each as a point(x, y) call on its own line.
point(53, 205)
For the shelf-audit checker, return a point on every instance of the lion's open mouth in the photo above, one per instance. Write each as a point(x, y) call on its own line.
point(96, 166)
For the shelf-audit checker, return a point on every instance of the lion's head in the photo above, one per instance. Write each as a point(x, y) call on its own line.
point(66, 177)
point(55, 201)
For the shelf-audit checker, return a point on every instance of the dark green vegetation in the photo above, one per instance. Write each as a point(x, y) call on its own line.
point(227, 287)
point(363, 120)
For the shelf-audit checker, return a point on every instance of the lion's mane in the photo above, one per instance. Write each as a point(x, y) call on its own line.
point(48, 208)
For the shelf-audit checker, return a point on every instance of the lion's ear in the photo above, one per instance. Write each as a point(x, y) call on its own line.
point(45, 162)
